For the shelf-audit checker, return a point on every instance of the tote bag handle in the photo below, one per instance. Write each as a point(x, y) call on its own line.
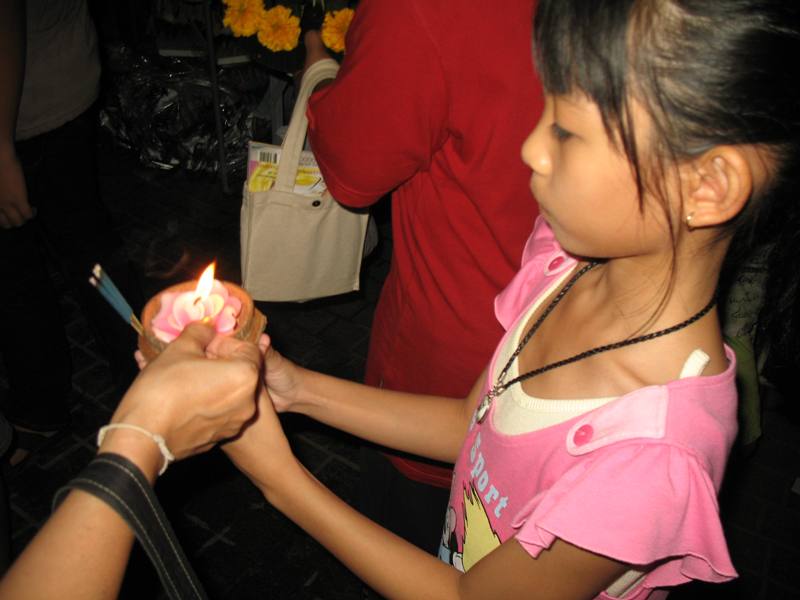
point(298, 125)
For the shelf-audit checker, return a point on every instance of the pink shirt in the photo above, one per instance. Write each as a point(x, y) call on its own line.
point(635, 480)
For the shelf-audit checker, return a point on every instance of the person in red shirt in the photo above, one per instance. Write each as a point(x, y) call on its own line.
point(432, 103)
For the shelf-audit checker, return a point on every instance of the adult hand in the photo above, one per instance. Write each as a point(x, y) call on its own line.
point(15, 209)
point(200, 390)
point(281, 376)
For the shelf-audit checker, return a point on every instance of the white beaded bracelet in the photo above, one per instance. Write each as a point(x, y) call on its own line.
point(160, 441)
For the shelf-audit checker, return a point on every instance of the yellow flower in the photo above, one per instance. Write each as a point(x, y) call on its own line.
point(334, 28)
point(242, 17)
point(279, 29)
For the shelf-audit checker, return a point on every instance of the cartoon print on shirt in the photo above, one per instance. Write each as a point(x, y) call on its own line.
point(448, 549)
point(479, 537)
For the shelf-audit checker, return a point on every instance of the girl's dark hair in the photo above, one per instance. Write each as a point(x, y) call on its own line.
point(708, 72)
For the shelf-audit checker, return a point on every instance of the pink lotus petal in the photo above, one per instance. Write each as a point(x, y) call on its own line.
point(164, 336)
point(219, 289)
point(186, 314)
point(168, 325)
point(226, 321)
point(178, 309)
point(235, 303)
point(167, 298)
point(162, 326)
point(186, 309)
point(171, 323)
point(213, 304)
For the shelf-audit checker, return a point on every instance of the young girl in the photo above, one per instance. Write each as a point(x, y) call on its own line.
point(589, 454)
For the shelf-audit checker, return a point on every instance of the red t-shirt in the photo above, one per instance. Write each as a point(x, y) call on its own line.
point(434, 100)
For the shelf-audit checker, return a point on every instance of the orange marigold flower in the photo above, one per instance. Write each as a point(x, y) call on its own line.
point(279, 29)
point(242, 17)
point(334, 28)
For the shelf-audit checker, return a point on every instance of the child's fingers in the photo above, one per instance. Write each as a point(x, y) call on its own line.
point(263, 343)
point(141, 361)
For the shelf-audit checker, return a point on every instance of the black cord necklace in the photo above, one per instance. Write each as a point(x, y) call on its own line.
point(501, 385)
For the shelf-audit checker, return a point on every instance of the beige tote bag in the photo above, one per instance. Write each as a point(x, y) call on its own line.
point(297, 247)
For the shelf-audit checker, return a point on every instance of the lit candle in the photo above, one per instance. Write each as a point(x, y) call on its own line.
point(210, 301)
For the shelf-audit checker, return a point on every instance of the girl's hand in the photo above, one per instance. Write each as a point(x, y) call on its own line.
point(282, 377)
point(262, 451)
point(200, 390)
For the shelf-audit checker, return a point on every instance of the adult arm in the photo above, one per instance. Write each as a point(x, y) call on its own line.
point(385, 115)
point(315, 52)
point(189, 399)
point(83, 548)
point(14, 206)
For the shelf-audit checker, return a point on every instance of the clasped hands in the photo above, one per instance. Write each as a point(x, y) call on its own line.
point(205, 389)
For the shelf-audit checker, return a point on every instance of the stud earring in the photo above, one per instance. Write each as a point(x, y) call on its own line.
point(689, 218)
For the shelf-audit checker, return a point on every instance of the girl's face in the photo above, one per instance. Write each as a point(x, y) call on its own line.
point(585, 186)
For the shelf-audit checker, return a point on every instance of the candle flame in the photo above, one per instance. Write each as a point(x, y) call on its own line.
point(206, 282)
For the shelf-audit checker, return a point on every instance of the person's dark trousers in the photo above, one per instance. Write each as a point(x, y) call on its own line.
point(415, 511)
point(5, 513)
point(73, 230)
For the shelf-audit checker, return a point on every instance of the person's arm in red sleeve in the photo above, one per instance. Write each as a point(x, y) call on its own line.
point(384, 116)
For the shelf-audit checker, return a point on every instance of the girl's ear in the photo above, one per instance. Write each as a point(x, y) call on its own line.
point(717, 186)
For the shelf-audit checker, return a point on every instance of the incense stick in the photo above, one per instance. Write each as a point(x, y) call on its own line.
point(102, 282)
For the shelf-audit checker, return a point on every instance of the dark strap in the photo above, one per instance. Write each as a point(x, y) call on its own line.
point(119, 483)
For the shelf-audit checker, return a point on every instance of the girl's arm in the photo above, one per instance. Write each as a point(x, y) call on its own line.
point(392, 566)
point(430, 426)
